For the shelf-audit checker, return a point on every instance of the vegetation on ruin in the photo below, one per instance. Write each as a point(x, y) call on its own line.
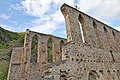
point(4, 63)
point(49, 50)
point(34, 49)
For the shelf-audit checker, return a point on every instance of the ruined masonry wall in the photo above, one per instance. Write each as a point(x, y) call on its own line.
point(96, 33)
point(81, 60)
point(15, 66)
point(20, 66)
point(98, 58)
point(42, 46)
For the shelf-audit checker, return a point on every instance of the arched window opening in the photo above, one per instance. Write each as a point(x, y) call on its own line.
point(34, 49)
point(94, 25)
point(49, 50)
point(92, 76)
point(113, 33)
point(61, 45)
point(81, 23)
point(108, 37)
point(81, 19)
point(63, 77)
point(105, 29)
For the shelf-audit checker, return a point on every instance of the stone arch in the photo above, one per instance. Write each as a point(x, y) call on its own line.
point(96, 33)
point(83, 29)
point(105, 29)
point(63, 77)
point(94, 25)
point(108, 37)
point(81, 19)
point(62, 43)
point(93, 75)
point(113, 33)
point(49, 50)
point(34, 49)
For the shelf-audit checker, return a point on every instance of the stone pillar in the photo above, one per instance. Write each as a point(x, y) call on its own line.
point(72, 24)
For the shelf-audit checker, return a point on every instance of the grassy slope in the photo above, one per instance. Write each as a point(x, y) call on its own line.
point(8, 40)
point(4, 63)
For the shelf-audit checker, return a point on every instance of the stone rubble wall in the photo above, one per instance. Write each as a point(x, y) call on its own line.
point(81, 60)
point(20, 66)
point(95, 58)
point(96, 33)
point(15, 66)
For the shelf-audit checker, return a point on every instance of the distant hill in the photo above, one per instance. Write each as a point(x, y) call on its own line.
point(8, 40)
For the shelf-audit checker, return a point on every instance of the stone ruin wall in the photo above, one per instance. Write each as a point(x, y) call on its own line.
point(20, 66)
point(95, 58)
point(96, 33)
point(81, 61)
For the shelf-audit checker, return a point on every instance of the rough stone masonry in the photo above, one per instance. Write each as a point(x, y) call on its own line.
point(91, 52)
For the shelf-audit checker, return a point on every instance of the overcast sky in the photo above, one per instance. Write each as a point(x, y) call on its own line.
point(44, 16)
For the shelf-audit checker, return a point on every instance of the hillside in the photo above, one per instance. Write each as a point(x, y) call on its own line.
point(8, 40)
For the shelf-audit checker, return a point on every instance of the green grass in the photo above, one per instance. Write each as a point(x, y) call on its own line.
point(4, 63)
point(3, 69)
